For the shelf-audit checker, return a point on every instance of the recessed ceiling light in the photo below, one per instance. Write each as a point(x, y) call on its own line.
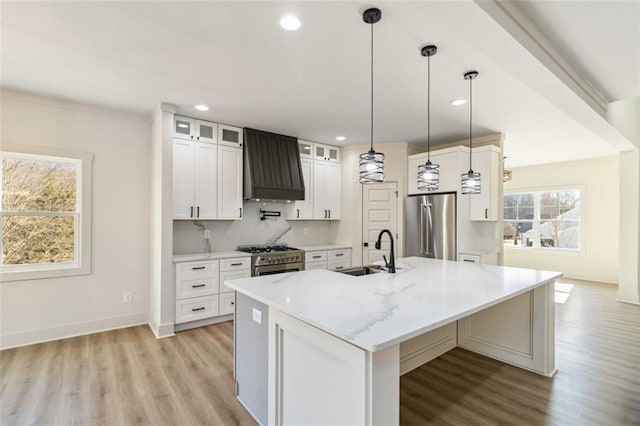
point(290, 22)
point(340, 138)
point(458, 102)
point(202, 108)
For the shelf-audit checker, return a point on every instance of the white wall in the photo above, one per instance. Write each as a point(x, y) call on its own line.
point(599, 259)
point(37, 310)
point(226, 235)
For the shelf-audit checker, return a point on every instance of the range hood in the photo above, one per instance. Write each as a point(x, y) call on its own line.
point(272, 168)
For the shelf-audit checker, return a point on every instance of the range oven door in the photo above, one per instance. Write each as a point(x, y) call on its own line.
point(277, 269)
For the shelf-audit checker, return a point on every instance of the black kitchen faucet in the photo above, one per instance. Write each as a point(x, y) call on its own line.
point(391, 266)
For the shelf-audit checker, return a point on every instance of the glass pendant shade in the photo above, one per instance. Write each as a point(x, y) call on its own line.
point(372, 167)
point(428, 176)
point(470, 182)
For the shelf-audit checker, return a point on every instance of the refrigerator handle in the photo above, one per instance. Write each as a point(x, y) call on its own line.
point(428, 235)
point(425, 233)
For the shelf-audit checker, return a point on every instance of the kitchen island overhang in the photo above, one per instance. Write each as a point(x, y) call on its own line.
point(334, 334)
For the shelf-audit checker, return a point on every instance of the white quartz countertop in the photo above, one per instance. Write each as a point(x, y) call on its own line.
point(209, 256)
point(379, 310)
point(326, 247)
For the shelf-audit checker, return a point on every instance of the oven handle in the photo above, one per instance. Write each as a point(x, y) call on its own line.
point(270, 269)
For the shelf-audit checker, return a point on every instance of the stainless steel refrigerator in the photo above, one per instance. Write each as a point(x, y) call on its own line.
point(430, 226)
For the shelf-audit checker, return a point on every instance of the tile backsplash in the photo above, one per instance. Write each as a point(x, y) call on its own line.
point(188, 235)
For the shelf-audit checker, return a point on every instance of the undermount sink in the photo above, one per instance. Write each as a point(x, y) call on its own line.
point(357, 271)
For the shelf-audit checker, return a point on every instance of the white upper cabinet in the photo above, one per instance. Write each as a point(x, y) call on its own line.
point(448, 159)
point(303, 209)
point(326, 153)
point(327, 190)
point(229, 183)
point(196, 130)
point(484, 206)
point(306, 149)
point(230, 136)
point(194, 180)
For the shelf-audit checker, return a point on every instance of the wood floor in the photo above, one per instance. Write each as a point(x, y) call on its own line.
point(127, 377)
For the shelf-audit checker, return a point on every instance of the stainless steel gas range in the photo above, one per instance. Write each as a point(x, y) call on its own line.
point(273, 259)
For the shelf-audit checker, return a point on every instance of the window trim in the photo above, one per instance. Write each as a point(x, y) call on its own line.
point(581, 250)
point(83, 242)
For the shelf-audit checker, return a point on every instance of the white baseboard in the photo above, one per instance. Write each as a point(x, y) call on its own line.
point(162, 330)
point(628, 298)
point(63, 331)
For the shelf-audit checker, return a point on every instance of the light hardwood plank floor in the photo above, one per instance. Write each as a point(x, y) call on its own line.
point(127, 377)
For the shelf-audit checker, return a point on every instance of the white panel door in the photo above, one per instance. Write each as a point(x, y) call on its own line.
point(229, 183)
point(380, 211)
point(449, 174)
point(205, 180)
point(333, 190)
point(183, 172)
point(484, 206)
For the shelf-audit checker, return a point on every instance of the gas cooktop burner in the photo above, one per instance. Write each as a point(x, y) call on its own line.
point(265, 248)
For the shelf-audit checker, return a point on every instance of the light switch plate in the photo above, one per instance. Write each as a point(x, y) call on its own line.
point(257, 316)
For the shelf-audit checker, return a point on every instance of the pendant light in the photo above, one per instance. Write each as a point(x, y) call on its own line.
point(506, 174)
point(471, 179)
point(428, 173)
point(371, 162)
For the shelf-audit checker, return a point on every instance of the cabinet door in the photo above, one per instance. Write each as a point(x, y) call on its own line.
point(319, 152)
point(333, 154)
point(183, 127)
point(320, 210)
point(484, 206)
point(229, 183)
point(306, 149)
point(303, 210)
point(333, 190)
point(230, 136)
point(205, 181)
point(183, 173)
point(412, 173)
point(449, 173)
point(206, 131)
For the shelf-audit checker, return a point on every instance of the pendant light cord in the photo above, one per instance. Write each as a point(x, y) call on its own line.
point(371, 86)
point(470, 120)
point(428, 108)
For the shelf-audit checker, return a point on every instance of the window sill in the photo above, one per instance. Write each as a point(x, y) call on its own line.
point(546, 250)
point(39, 274)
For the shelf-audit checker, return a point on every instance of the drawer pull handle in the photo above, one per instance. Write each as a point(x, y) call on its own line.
point(469, 260)
point(233, 303)
point(198, 267)
point(198, 309)
point(197, 285)
point(317, 257)
point(339, 254)
point(236, 264)
point(339, 267)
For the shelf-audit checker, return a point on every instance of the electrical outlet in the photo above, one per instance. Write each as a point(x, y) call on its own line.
point(257, 316)
point(126, 297)
point(207, 234)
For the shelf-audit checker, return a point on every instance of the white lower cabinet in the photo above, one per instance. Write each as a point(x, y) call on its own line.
point(333, 260)
point(200, 289)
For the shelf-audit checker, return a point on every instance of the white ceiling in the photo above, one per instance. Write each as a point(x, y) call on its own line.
point(313, 83)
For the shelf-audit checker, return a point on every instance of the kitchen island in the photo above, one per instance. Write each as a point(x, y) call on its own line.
point(337, 344)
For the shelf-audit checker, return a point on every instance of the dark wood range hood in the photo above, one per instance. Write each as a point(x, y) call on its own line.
point(272, 168)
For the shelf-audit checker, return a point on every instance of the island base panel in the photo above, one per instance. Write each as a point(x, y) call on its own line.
point(310, 370)
point(519, 331)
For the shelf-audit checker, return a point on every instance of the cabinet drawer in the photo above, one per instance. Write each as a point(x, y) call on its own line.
point(338, 265)
point(469, 258)
point(196, 287)
point(227, 303)
point(196, 270)
point(339, 255)
point(231, 275)
point(315, 265)
point(315, 256)
point(235, 264)
point(196, 308)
